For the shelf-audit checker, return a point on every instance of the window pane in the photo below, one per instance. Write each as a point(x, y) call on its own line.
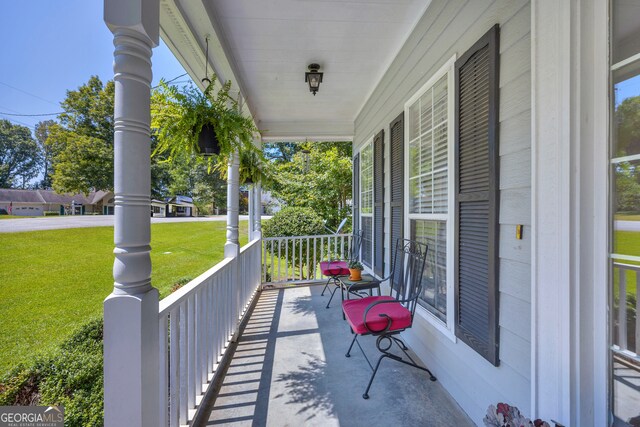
point(426, 194)
point(367, 240)
point(414, 199)
point(626, 120)
point(440, 101)
point(414, 122)
point(426, 153)
point(414, 158)
point(426, 112)
point(440, 145)
point(440, 192)
point(429, 154)
point(626, 204)
point(434, 279)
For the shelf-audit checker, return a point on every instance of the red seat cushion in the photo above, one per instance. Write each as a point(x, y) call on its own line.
point(334, 268)
point(354, 312)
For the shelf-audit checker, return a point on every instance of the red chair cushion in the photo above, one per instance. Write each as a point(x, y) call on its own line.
point(354, 312)
point(334, 268)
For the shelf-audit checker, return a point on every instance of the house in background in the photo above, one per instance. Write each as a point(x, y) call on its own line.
point(490, 129)
point(41, 202)
point(102, 202)
point(181, 206)
point(158, 208)
point(22, 202)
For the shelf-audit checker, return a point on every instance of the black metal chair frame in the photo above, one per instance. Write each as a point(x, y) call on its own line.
point(405, 288)
point(356, 242)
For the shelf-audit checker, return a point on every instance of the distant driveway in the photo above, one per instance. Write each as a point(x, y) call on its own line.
point(56, 222)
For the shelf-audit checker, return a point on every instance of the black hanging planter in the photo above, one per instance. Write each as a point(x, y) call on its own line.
point(208, 141)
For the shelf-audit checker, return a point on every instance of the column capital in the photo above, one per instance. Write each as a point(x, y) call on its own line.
point(140, 16)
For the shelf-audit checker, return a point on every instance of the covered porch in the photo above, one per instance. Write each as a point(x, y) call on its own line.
point(531, 326)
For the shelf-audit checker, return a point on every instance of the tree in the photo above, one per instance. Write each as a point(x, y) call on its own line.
point(189, 175)
point(19, 155)
point(628, 127)
point(42, 132)
point(82, 145)
point(325, 186)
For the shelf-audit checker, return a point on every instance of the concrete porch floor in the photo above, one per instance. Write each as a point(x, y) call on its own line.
point(290, 369)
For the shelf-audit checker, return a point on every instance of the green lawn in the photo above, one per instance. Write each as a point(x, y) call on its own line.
point(625, 217)
point(53, 281)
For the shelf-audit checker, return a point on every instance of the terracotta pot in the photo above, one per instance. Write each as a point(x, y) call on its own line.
point(356, 274)
point(208, 141)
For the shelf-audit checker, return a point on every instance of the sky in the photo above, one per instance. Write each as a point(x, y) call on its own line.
point(51, 46)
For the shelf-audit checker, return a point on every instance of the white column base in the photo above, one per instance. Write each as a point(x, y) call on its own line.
point(131, 333)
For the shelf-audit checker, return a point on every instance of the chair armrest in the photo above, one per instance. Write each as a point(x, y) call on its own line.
point(388, 326)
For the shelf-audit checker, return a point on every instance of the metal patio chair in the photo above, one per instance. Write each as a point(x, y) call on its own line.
point(386, 316)
point(333, 269)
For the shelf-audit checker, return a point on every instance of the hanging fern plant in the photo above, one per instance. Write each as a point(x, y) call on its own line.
point(180, 115)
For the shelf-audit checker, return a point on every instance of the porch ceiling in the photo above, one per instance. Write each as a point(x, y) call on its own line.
point(265, 47)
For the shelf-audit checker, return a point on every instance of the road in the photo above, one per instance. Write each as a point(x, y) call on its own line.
point(57, 222)
point(627, 225)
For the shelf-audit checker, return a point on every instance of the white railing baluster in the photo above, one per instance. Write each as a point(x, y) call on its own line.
point(204, 373)
point(279, 260)
point(164, 371)
point(174, 367)
point(315, 260)
point(184, 363)
point(191, 353)
point(622, 309)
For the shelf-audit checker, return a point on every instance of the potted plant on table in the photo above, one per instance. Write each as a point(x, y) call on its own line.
point(208, 123)
point(355, 270)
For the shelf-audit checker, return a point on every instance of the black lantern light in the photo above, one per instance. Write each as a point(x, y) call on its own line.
point(313, 77)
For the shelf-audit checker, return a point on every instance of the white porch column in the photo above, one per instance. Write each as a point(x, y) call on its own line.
point(232, 246)
point(569, 211)
point(251, 211)
point(131, 311)
point(257, 216)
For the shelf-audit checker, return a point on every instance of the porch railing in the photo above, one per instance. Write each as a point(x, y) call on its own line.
point(197, 322)
point(295, 259)
point(627, 322)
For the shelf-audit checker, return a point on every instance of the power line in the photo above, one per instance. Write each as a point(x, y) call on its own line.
point(169, 81)
point(62, 112)
point(20, 123)
point(31, 115)
point(27, 93)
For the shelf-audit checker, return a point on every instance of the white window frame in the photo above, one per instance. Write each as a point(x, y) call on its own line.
point(369, 143)
point(448, 328)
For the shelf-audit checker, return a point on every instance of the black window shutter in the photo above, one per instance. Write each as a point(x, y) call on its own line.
point(378, 203)
point(396, 195)
point(356, 192)
point(476, 196)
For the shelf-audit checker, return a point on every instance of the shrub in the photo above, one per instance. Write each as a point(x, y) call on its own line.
point(71, 376)
point(47, 213)
point(293, 221)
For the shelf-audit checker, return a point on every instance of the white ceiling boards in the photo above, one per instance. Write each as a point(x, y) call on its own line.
point(268, 44)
